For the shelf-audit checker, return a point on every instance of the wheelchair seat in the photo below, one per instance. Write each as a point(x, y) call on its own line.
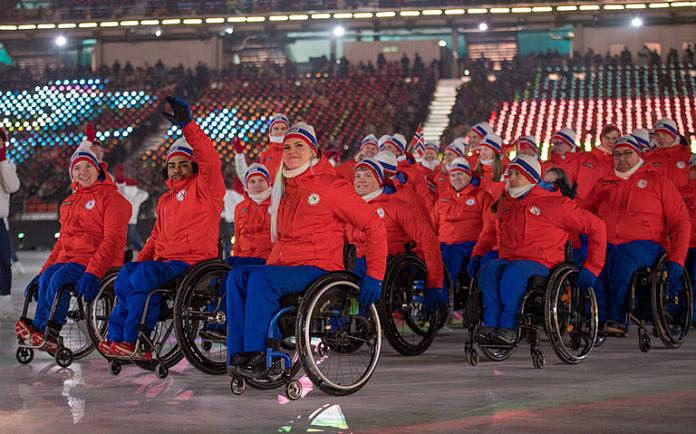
point(291, 299)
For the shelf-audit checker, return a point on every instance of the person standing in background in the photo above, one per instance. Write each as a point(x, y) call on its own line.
point(232, 197)
point(9, 183)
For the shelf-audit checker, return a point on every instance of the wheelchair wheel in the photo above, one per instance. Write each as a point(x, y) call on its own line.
point(570, 315)
point(199, 314)
point(330, 314)
point(407, 327)
point(497, 354)
point(164, 338)
point(99, 310)
point(671, 307)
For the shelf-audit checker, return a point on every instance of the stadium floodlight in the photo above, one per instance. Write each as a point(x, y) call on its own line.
point(442, 43)
point(339, 31)
point(158, 33)
point(483, 27)
point(60, 41)
point(636, 22)
point(229, 30)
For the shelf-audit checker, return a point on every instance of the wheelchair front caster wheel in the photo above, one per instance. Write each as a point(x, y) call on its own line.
point(161, 370)
point(294, 390)
point(25, 355)
point(644, 342)
point(538, 359)
point(237, 386)
point(64, 357)
point(472, 357)
point(322, 349)
point(115, 367)
point(600, 340)
point(207, 345)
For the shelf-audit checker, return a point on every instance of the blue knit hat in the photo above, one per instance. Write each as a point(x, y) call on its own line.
point(373, 166)
point(528, 166)
point(255, 170)
point(304, 132)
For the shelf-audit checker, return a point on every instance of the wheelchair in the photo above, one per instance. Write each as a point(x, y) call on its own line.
point(161, 341)
point(408, 328)
point(74, 340)
point(567, 314)
point(670, 310)
point(199, 316)
point(324, 331)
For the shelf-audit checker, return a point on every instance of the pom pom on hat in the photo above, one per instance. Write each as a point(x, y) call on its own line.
point(304, 132)
point(180, 147)
point(528, 166)
point(388, 162)
point(373, 166)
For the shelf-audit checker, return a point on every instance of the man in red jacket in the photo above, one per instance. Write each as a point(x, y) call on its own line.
point(670, 158)
point(593, 165)
point(402, 229)
point(644, 215)
point(272, 156)
point(533, 226)
point(252, 229)
point(368, 149)
point(407, 171)
point(688, 192)
point(185, 232)
point(93, 226)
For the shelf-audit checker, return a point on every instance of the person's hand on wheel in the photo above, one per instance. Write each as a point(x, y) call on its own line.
point(370, 291)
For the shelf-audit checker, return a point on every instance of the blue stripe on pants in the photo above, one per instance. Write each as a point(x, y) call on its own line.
point(503, 284)
point(51, 280)
point(253, 297)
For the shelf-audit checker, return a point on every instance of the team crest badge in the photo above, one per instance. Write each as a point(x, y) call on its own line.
point(180, 196)
point(244, 210)
point(642, 183)
point(681, 164)
point(470, 202)
point(313, 199)
point(535, 210)
point(380, 212)
point(90, 204)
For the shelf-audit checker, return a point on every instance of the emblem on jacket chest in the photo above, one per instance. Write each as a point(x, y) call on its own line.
point(313, 199)
point(681, 164)
point(470, 202)
point(642, 183)
point(180, 196)
point(380, 212)
point(535, 210)
point(90, 204)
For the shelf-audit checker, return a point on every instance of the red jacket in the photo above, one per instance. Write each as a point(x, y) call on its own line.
point(688, 192)
point(459, 216)
point(590, 167)
point(346, 170)
point(569, 165)
point(93, 228)
point(271, 158)
point(312, 218)
point(418, 204)
point(494, 188)
point(188, 213)
point(252, 229)
point(672, 163)
point(537, 226)
point(416, 181)
point(403, 227)
point(441, 178)
point(647, 206)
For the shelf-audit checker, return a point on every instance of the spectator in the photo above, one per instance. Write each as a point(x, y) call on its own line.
point(9, 183)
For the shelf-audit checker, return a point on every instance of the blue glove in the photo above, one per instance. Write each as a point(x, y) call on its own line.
point(34, 282)
point(88, 286)
point(181, 111)
point(548, 186)
point(585, 279)
point(473, 267)
point(370, 291)
point(476, 181)
point(674, 274)
point(434, 298)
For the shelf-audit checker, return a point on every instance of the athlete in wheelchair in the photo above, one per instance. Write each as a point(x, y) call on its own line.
point(413, 293)
point(301, 306)
point(200, 314)
point(534, 282)
point(648, 230)
point(93, 226)
point(185, 233)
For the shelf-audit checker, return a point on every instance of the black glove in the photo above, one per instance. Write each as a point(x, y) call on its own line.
point(181, 111)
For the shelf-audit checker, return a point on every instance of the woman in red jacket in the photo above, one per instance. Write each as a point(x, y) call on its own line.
point(459, 216)
point(309, 210)
point(271, 157)
point(670, 158)
point(490, 165)
point(532, 226)
point(402, 225)
point(185, 232)
point(593, 165)
point(93, 227)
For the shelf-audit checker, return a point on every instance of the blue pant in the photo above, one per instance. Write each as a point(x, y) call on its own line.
point(454, 255)
point(253, 297)
point(503, 284)
point(5, 260)
point(134, 282)
point(691, 269)
point(51, 280)
point(622, 262)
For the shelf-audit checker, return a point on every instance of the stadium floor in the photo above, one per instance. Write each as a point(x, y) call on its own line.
point(618, 389)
